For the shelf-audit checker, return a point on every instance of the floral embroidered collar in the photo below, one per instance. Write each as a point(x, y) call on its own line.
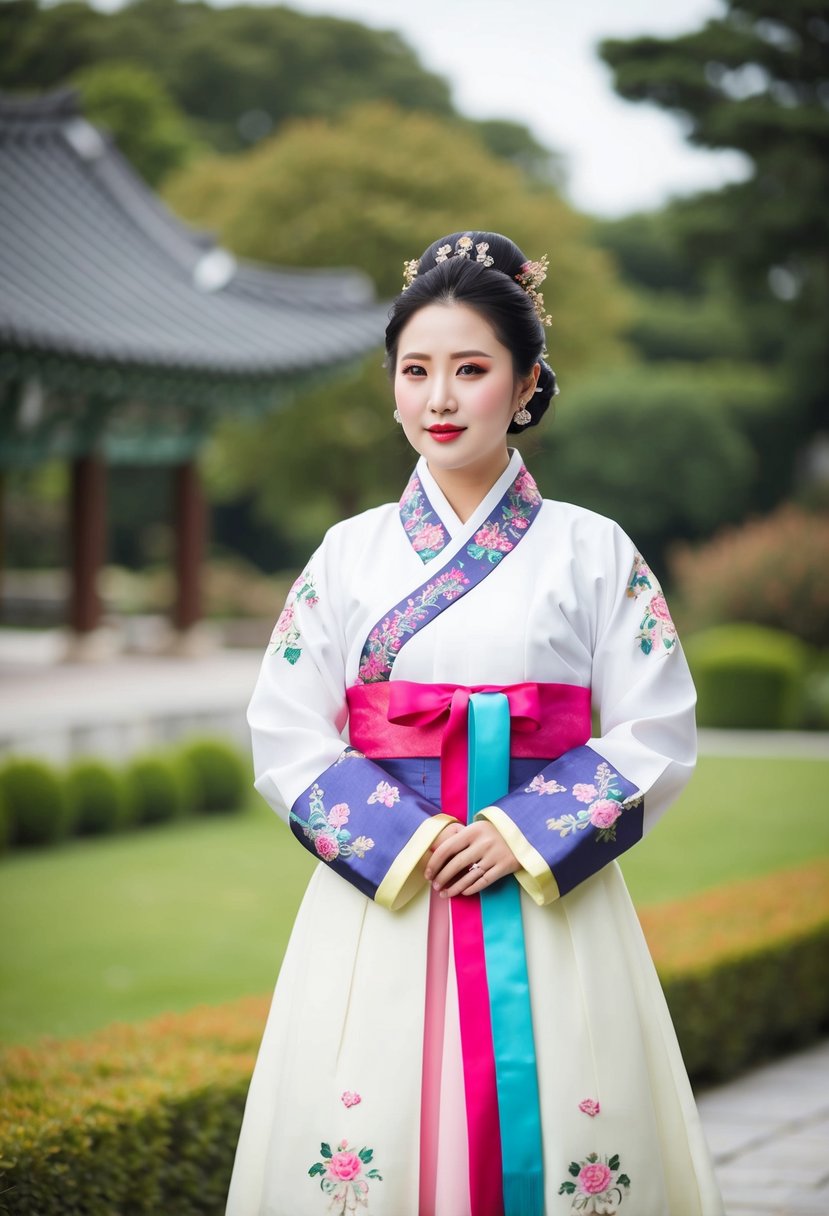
point(427, 517)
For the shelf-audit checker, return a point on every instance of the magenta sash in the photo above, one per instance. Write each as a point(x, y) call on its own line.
point(398, 719)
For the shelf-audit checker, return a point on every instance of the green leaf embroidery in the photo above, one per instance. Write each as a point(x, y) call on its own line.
point(574, 1169)
point(567, 1188)
point(291, 654)
point(613, 1163)
point(316, 1168)
point(365, 1155)
point(325, 1149)
point(623, 1180)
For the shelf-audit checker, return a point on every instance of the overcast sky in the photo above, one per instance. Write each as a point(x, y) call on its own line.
point(535, 61)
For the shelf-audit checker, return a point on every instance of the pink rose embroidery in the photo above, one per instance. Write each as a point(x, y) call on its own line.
point(350, 1098)
point(585, 793)
point(345, 1175)
point(598, 1179)
point(345, 1165)
point(326, 847)
point(604, 813)
point(659, 608)
point(590, 1106)
point(594, 1178)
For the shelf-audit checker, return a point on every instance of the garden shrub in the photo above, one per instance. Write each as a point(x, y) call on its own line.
point(97, 797)
point(36, 801)
point(5, 826)
point(156, 788)
point(748, 676)
point(772, 571)
point(144, 1119)
point(220, 776)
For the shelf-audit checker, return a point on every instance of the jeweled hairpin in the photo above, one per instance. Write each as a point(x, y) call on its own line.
point(530, 276)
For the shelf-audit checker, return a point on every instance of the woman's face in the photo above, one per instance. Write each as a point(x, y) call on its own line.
point(456, 389)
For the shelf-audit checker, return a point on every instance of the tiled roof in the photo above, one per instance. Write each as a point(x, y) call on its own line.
point(93, 267)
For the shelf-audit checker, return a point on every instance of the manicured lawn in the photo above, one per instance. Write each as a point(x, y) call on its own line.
point(124, 927)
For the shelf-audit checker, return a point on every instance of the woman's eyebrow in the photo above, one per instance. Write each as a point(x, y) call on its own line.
point(458, 354)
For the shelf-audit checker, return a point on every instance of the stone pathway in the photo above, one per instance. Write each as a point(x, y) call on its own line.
point(769, 1136)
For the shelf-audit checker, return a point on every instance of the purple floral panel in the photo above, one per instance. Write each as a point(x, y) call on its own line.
point(356, 821)
point(498, 535)
point(579, 813)
point(420, 521)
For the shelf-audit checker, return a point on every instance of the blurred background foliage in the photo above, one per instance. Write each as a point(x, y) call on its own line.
point(689, 341)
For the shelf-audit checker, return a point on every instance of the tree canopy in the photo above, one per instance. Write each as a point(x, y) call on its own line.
point(368, 189)
point(757, 80)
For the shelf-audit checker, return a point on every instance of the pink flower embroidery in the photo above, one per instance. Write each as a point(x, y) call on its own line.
point(585, 793)
point(344, 1165)
point(326, 847)
point(338, 815)
point(491, 537)
point(659, 608)
point(539, 786)
point(590, 1106)
point(345, 1176)
point(350, 1098)
point(594, 1178)
point(594, 1184)
point(428, 536)
point(604, 813)
point(385, 793)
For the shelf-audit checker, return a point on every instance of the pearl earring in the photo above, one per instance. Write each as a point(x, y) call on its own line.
point(396, 416)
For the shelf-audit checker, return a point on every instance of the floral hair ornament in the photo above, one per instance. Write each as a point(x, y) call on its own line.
point(529, 277)
point(463, 249)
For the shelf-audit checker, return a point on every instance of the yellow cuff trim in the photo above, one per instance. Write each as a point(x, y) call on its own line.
point(536, 877)
point(404, 877)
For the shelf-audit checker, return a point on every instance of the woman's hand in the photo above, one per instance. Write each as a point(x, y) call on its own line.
point(468, 859)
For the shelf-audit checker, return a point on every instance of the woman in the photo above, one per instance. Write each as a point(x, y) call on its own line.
point(467, 1021)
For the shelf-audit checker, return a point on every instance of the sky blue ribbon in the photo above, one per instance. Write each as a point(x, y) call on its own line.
point(516, 1071)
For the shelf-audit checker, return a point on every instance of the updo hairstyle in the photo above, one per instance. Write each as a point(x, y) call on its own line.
point(494, 293)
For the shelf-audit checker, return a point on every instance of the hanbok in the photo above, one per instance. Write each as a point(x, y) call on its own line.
point(502, 1055)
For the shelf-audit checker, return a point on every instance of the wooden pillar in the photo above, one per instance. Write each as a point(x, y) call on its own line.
point(190, 522)
point(88, 540)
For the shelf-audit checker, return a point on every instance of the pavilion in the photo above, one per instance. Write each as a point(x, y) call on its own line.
point(125, 333)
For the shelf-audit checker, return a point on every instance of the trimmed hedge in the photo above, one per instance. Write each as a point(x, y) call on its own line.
point(220, 776)
point(144, 1119)
point(40, 804)
point(36, 801)
point(748, 677)
point(97, 796)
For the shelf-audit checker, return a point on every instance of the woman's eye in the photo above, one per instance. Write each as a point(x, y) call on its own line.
point(413, 369)
point(471, 369)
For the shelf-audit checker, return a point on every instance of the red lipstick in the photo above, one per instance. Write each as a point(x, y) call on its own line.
point(445, 432)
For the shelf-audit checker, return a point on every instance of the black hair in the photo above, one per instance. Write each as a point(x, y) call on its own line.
point(492, 291)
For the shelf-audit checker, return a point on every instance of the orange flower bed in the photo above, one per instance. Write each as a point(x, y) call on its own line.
point(729, 922)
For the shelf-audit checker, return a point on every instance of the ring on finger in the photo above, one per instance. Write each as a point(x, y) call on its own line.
point(476, 865)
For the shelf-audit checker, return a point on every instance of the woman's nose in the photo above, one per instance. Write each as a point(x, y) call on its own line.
point(441, 398)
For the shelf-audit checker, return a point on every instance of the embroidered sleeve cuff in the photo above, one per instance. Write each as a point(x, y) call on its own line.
point(369, 829)
point(405, 875)
point(574, 817)
point(535, 876)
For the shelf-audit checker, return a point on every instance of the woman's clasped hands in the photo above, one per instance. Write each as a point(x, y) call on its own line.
point(467, 859)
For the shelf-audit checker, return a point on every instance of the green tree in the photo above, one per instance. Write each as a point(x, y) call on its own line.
point(239, 72)
point(756, 80)
point(148, 128)
point(368, 189)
